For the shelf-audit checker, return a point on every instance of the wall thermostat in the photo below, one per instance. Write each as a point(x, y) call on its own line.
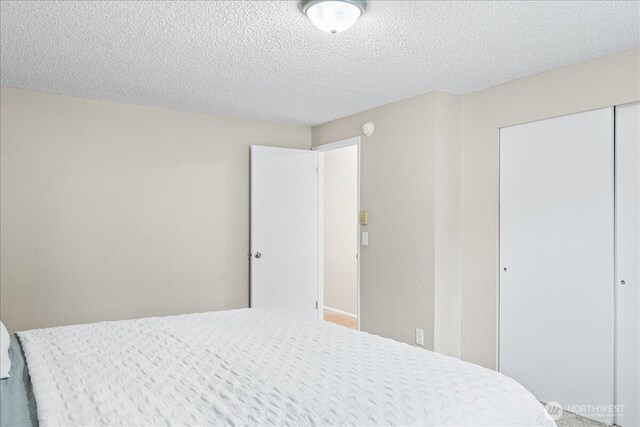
point(367, 128)
point(364, 217)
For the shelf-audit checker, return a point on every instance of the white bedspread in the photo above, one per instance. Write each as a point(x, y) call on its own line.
point(258, 367)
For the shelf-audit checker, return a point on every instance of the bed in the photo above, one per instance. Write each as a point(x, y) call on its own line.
point(248, 367)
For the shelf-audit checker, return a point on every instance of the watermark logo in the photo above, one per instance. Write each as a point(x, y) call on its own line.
point(554, 409)
point(597, 412)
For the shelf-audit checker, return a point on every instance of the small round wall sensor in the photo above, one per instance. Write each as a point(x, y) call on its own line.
point(367, 128)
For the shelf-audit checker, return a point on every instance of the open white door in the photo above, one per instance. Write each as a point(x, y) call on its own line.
point(556, 260)
point(284, 229)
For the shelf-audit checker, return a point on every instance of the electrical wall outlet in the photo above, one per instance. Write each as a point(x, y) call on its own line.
point(419, 337)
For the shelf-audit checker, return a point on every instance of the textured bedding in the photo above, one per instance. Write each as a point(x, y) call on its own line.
point(258, 367)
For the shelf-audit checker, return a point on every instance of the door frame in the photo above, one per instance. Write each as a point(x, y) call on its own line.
point(321, 149)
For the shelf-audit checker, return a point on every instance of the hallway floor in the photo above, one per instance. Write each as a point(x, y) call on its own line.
point(341, 319)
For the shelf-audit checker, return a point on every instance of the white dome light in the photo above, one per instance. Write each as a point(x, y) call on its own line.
point(333, 16)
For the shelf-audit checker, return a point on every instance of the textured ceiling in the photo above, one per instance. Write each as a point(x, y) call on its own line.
point(265, 60)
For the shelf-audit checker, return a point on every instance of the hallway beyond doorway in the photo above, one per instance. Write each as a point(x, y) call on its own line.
point(341, 319)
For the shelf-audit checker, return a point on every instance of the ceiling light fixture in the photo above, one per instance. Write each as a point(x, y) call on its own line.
point(333, 16)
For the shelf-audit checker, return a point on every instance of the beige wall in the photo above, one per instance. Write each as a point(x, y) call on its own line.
point(112, 211)
point(83, 182)
point(398, 188)
point(605, 81)
point(341, 229)
point(447, 318)
point(430, 182)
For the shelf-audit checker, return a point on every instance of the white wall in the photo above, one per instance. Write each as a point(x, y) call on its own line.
point(113, 211)
point(341, 229)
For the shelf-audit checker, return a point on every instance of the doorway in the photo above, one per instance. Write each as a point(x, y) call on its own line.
point(339, 190)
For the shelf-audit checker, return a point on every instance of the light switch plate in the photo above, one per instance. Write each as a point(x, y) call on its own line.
point(365, 238)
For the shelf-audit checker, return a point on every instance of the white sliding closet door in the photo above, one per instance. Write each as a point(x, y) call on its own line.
point(556, 259)
point(627, 264)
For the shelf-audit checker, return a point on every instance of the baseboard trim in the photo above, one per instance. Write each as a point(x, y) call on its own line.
point(344, 313)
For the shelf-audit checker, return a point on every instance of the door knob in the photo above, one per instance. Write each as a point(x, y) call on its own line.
point(258, 255)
